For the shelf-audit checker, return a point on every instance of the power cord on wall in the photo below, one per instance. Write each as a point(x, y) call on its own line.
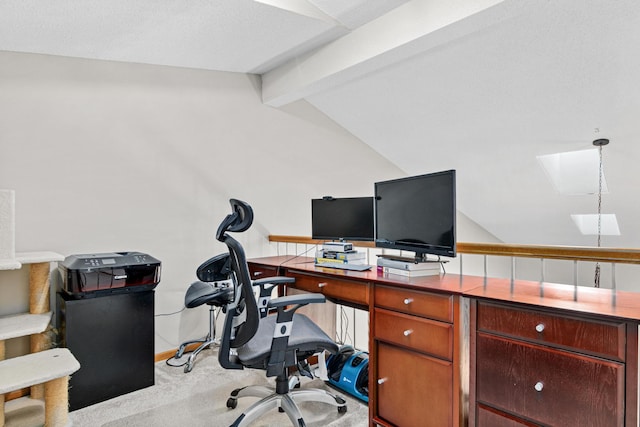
point(343, 332)
point(170, 314)
point(297, 256)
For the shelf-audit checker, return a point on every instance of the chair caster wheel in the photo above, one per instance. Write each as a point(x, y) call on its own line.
point(342, 409)
point(187, 368)
point(232, 403)
point(280, 410)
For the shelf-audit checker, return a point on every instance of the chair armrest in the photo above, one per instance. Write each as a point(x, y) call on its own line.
point(299, 299)
point(266, 287)
point(278, 280)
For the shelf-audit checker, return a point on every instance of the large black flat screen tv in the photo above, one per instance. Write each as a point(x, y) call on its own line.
point(349, 218)
point(417, 214)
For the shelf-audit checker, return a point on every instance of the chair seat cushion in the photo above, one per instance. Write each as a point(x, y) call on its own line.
point(207, 293)
point(306, 338)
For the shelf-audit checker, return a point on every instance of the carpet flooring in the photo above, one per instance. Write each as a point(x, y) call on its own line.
point(198, 398)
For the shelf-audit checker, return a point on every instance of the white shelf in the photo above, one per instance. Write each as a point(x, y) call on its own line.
point(9, 264)
point(21, 325)
point(36, 368)
point(27, 411)
point(29, 258)
point(36, 257)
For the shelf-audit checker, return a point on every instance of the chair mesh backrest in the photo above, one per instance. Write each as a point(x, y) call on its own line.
point(238, 221)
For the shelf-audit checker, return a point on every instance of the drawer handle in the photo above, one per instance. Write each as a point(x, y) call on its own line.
point(322, 284)
point(540, 327)
point(257, 273)
point(408, 332)
point(408, 301)
point(382, 381)
point(539, 386)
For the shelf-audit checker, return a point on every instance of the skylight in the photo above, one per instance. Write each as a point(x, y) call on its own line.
point(588, 224)
point(578, 173)
point(574, 172)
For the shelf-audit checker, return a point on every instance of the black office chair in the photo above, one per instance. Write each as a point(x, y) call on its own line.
point(213, 290)
point(274, 343)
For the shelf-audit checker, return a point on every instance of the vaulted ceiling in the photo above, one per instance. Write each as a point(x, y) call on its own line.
point(482, 86)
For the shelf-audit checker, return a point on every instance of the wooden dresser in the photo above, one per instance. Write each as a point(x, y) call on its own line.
point(568, 358)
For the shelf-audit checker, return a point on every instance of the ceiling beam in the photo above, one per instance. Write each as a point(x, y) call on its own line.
point(304, 8)
point(413, 28)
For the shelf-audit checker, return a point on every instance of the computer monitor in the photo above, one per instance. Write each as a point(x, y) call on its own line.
point(349, 218)
point(418, 214)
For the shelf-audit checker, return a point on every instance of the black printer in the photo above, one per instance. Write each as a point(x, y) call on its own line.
point(114, 272)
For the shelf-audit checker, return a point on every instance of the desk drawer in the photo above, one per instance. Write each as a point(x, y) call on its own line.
point(260, 271)
point(413, 389)
point(426, 304)
point(427, 336)
point(550, 386)
point(489, 417)
point(589, 336)
point(341, 290)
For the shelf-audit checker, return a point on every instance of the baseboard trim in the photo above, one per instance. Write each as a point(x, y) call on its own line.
point(170, 353)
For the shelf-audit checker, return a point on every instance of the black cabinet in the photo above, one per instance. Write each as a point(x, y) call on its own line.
point(112, 336)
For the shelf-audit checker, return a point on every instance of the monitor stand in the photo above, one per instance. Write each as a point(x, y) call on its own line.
point(417, 259)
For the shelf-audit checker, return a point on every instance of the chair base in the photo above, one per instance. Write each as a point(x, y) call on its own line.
point(206, 342)
point(286, 402)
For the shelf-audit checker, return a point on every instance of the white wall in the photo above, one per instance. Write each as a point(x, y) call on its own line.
point(109, 156)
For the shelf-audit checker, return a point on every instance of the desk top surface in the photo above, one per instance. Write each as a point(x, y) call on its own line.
point(582, 299)
point(450, 283)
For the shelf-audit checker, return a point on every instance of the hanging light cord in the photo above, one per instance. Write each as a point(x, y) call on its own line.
point(597, 273)
point(599, 143)
point(600, 198)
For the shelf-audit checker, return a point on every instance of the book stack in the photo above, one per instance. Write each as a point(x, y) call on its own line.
point(408, 268)
point(350, 256)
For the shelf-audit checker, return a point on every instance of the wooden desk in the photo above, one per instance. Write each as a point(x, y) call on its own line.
point(455, 350)
point(414, 379)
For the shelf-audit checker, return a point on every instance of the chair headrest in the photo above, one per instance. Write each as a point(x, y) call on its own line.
point(238, 221)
